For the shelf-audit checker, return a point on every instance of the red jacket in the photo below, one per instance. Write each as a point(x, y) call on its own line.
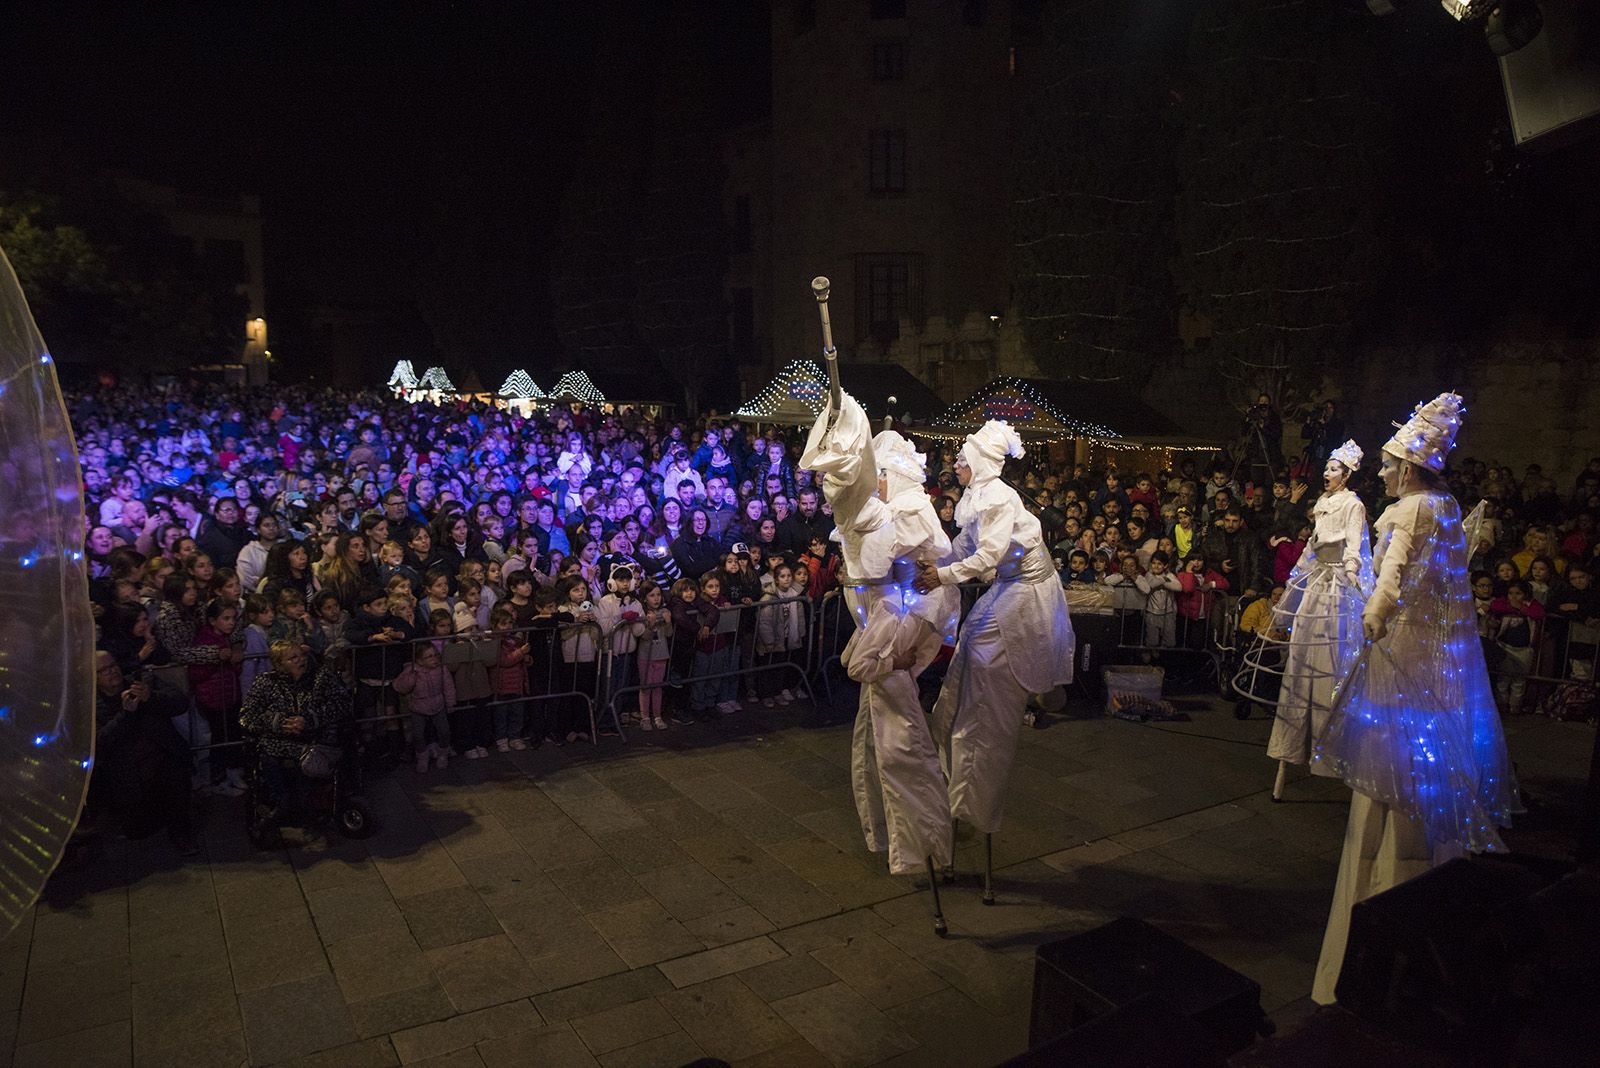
point(214, 686)
point(509, 673)
point(1194, 602)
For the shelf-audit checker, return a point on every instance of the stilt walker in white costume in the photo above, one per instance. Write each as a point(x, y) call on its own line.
point(1016, 642)
point(1315, 636)
point(885, 523)
point(1414, 731)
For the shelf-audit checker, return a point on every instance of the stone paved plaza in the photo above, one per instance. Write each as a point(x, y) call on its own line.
point(702, 892)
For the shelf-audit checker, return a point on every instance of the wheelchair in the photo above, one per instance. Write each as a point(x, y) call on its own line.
point(278, 794)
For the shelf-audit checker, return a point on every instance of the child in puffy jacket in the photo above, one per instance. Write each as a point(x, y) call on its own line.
point(1160, 588)
point(1201, 588)
point(430, 696)
point(714, 652)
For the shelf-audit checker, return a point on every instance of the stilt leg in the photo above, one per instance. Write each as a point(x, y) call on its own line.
point(939, 926)
point(1277, 786)
point(988, 868)
point(949, 873)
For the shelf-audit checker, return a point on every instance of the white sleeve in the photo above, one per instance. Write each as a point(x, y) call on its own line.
point(1355, 531)
point(995, 524)
point(1397, 554)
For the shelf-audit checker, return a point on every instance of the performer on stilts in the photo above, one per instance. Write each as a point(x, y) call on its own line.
point(885, 522)
point(1315, 635)
point(1016, 642)
point(1414, 730)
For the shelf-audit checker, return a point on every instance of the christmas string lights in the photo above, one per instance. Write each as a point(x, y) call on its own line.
point(519, 385)
point(575, 385)
point(402, 377)
point(796, 394)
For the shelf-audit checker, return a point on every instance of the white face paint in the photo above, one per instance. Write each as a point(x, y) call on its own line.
point(1334, 476)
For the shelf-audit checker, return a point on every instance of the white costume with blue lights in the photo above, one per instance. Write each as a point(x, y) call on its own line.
point(1321, 613)
point(1414, 731)
point(899, 787)
point(1017, 640)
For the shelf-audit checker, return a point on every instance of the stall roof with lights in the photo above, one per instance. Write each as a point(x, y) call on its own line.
point(1046, 410)
point(435, 378)
point(575, 386)
point(794, 397)
point(403, 377)
point(519, 385)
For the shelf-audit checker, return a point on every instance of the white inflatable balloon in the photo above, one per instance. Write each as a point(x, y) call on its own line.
point(46, 632)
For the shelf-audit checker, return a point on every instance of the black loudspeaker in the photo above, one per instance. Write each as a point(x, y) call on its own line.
point(1432, 960)
point(1082, 978)
point(1147, 1032)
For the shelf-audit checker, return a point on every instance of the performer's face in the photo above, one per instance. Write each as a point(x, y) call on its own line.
point(963, 472)
point(1391, 472)
point(1334, 476)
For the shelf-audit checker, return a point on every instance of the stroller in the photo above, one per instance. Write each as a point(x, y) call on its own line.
point(279, 794)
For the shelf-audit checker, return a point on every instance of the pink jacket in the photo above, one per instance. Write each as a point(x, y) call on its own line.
point(431, 691)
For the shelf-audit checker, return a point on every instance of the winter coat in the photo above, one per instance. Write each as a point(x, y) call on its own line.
point(215, 685)
point(1195, 601)
point(468, 661)
point(509, 675)
point(428, 692)
point(782, 623)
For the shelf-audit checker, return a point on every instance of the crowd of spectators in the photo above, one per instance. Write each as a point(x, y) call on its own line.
point(283, 553)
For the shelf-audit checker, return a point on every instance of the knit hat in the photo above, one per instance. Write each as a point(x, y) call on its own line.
point(986, 450)
point(906, 467)
point(1348, 454)
point(1429, 435)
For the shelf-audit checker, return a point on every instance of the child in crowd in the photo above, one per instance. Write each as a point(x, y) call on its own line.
point(289, 620)
point(1201, 588)
point(1518, 619)
point(689, 618)
point(1127, 600)
point(520, 588)
point(780, 637)
point(1160, 588)
point(714, 652)
point(1079, 570)
point(467, 616)
point(543, 637)
point(214, 686)
point(580, 653)
point(468, 656)
point(258, 615)
point(327, 630)
point(652, 632)
point(619, 606)
point(508, 681)
point(429, 696)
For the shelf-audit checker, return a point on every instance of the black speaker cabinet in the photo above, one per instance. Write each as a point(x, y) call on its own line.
point(1432, 960)
point(1147, 1032)
point(1079, 979)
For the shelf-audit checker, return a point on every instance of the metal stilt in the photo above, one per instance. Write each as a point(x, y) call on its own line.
point(1277, 786)
point(988, 868)
point(939, 926)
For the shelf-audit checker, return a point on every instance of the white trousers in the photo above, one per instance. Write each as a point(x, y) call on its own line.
point(976, 721)
point(899, 786)
point(1382, 849)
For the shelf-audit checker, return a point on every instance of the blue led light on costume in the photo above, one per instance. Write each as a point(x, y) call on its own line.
point(84, 763)
point(27, 561)
point(5, 713)
point(41, 740)
point(45, 358)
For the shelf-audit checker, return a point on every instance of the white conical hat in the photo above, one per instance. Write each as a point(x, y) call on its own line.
point(987, 448)
point(1348, 454)
point(900, 459)
point(1429, 435)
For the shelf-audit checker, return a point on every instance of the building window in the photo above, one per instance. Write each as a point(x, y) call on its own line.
point(886, 293)
point(888, 9)
point(972, 12)
point(888, 61)
point(741, 224)
point(744, 322)
point(886, 164)
point(803, 15)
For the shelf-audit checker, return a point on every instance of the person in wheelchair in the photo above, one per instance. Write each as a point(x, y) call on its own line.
point(295, 720)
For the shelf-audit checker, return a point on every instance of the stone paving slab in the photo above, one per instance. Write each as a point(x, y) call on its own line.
point(701, 893)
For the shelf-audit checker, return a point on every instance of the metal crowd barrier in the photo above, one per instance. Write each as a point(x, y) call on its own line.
point(742, 622)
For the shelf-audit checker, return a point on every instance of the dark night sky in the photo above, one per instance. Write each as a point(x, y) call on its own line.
point(375, 133)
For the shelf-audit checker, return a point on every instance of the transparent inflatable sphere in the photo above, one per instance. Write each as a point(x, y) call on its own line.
point(46, 632)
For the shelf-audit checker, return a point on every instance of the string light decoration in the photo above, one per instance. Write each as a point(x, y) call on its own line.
point(575, 385)
point(402, 378)
point(436, 380)
point(1027, 410)
point(519, 385)
point(795, 395)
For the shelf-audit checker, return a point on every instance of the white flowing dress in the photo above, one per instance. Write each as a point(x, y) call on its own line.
point(1016, 642)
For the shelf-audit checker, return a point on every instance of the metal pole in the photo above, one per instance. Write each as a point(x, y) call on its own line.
point(940, 928)
point(988, 868)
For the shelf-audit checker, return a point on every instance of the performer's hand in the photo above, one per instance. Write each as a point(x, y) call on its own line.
point(927, 579)
point(906, 660)
point(1375, 627)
